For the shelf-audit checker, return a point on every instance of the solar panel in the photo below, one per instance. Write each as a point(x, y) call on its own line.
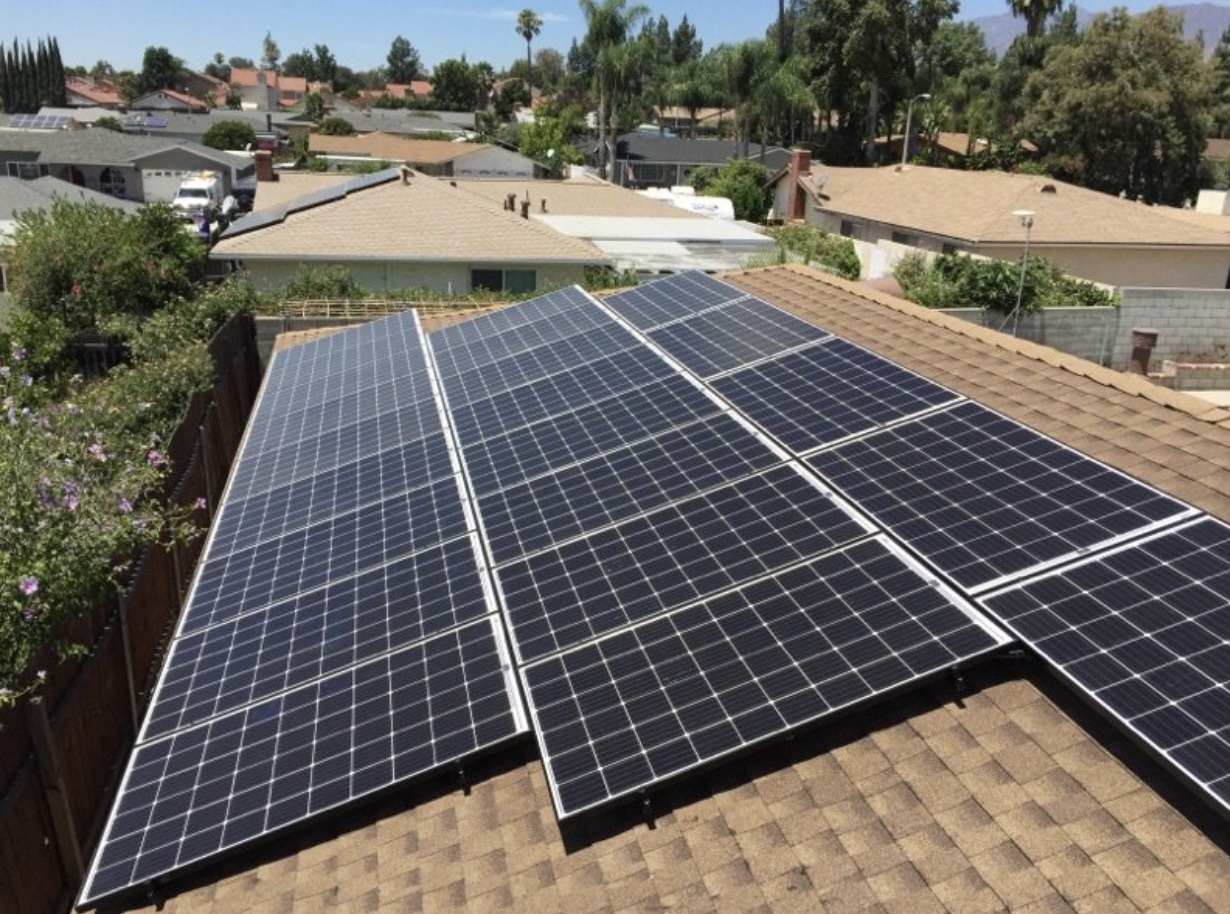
point(650, 564)
point(827, 392)
point(375, 179)
point(257, 219)
point(339, 635)
point(618, 484)
point(38, 121)
point(985, 498)
point(1145, 631)
point(330, 194)
point(671, 298)
point(685, 689)
point(291, 756)
point(733, 335)
point(562, 304)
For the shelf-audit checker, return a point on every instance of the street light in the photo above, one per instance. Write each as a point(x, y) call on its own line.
point(1026, 218)
point(909, 118)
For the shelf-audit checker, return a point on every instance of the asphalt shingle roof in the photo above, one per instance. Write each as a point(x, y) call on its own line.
point(1011, 796)
point(100, 147)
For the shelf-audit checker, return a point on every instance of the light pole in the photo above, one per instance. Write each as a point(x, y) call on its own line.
point(909, 119)
point(1026, 218)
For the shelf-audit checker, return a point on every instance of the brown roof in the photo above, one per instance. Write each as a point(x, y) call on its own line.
point(419, 220)
point(575, 198)
point(393, 148)
point(1012, 796)
point(978, 206)
point(98, 93)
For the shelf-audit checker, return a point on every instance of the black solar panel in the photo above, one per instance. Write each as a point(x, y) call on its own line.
point(623, 713)
point(294, 755)
point(1145, 630)
point(733, 335)
point(570, 307)
point(672, 298)
point(827, 392)
point(985, 498)
point(618, 484)
point(674, 556)
point(375, 179)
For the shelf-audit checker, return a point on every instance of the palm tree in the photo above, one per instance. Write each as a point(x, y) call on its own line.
point(1035, 13)
point(529, 24)
point(607, 26)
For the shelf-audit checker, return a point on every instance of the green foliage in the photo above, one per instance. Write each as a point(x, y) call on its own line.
point(31, 77)
point(83, 264)
point(454, 86)
point(546, 142)
point(314, 107)
point(959, 281)
point(336, 126)
point(331, 282)
point(403, 60)
point(107, 122)
point(228, 134)
point(742, 182)
point(812, 244)
point(159, 70)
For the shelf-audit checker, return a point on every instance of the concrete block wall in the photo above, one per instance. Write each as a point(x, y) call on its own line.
point(1193, 325)
point(1086, 332)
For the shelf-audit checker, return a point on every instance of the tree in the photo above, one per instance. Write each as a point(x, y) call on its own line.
point(1124, 109)
point(241, 63)
point(549, 64)
point(314, 107)
point(230, 135)
point(159, 70)
point(608, 23)
point(299, 64)
point(324, 64)
point(529, 24)
point(685, 46)
point(454, 85)
point(336, 126)
point(404, 63)
point(102, 70)
point(218, 68)
point(547, 142)
point(1035, 13)
point(108, 122)
point(271, 54)
point(744, 183)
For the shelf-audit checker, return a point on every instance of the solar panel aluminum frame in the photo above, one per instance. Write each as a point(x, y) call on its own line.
point(977, 617)
point(1090, 698)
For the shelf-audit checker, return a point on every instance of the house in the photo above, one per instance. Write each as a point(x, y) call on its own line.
point(640, 234)
point(998, 791)
point(86, 92)
point(140, 168)
point(405, 121)
point(440, 158)
point(1088, 234)
point(169, 100)
point(400, 229)
point(269, 90)
point(644, 160)
point(683, 122)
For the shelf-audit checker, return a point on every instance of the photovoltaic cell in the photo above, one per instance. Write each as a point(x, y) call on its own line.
point(497, 463)
point(733, 335)
point(984, 497)
point(827, 392)
point(618, 484)
point(636, 707)
point(672, 298)
point(569, 310)
point(291, 756)
point(676, 555)
point(1145, 630)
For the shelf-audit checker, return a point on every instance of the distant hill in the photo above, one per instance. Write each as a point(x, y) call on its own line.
point(1207, 18)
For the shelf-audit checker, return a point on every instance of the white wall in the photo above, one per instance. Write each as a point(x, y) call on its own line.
point(443, 278)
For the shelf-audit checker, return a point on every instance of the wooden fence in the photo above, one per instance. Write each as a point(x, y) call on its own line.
point(62, 752)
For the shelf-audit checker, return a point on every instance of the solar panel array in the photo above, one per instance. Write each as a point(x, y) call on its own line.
point(704, 521)
point(38, 121)
point(331, 194)
point(339, 636)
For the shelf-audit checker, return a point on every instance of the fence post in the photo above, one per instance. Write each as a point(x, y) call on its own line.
point(126, 645)
point(52, 776)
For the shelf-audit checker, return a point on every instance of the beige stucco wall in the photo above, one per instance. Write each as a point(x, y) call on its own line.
point(443, 278)
point(1190, 268)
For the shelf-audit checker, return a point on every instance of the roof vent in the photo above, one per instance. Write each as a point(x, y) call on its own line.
point(406, 174)
point(1048, 189)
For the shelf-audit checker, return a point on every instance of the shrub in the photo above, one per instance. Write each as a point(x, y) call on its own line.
point(230, 134)
point(334, 282)
point(960, 281)
point(810, 243)
point(744, 183)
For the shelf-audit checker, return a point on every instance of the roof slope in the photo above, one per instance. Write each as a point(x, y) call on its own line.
point(421, 219)
point(394, 148)
point(17, 195)
point(102, 147)
point(575, 198)
point(978, 207)
point(1012, 798)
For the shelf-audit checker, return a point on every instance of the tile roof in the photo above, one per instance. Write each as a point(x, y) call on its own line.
point(1013, 796)
point(102, 147)
point(978, 207)
point(422, 219)
point(393, 148)
point(294, 184)
point(575, 198)
point(91, 91)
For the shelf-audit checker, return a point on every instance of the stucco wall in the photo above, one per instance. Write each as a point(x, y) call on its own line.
point(442, 278)
point(1190, 268)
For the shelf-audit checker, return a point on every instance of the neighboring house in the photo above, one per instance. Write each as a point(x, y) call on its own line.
point(637, 232)
point(998, 791)
point(84, 92)
point(405, 121)
point(274, 125)
point(169, 100)
point(643, 160)
point(202, 85)
point(140, 168)
point(439, 158)
point(1088, 234)
point(401, 229)
point(708, 121)
point(268, 90)
point(418, 88)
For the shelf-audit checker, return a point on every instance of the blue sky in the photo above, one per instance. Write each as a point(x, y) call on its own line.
point(358, 32)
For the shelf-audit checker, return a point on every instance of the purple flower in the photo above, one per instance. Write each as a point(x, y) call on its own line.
point(29, 585)
point(154, 459)
point(200, 504)
point(26, 380)
point(19, 354)
point(96, 450)
point(125, 505)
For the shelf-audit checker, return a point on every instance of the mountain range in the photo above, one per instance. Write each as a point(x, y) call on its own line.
point(1207, 19)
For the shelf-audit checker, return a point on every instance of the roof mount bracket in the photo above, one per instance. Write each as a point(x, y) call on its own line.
point(647, 810)
point(463, 779)
point(958, 685)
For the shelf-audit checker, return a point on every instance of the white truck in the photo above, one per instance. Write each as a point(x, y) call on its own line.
point(200, 193)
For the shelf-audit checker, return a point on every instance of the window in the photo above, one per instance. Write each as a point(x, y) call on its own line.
point(24, 170)
point(905, 238)
point(72, 175)
point(504, 280)
point(847, 228)
point(111, 181)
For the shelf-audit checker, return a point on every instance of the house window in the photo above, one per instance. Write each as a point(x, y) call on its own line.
point(504, 280)
point(949, 248)
point(72, 175)
point(26, 170)
point(847, 228)
point(111, 181)
point(907, 239)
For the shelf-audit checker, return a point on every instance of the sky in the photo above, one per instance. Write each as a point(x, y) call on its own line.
point(359, 32)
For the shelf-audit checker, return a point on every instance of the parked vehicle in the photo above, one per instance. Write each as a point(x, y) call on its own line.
point(200, 193)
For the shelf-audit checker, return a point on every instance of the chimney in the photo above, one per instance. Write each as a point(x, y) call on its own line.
point(800, 165)
point(510, 203)
point(406, 174)
point(525, 209)
point(1144, 339)
point(264, 166)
